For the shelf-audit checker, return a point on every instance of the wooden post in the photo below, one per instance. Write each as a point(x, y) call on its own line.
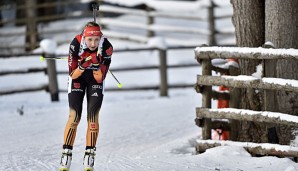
point(206, 99)
point(31, 26)
point(163, 72)
point(52, 75)
point(211, 20)
point(150, 21)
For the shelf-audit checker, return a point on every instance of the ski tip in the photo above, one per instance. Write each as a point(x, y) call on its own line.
point(41, 58)
point(119, 85)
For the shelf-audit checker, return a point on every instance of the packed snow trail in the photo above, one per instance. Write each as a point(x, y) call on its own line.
point(139, 131)
point(130, 127)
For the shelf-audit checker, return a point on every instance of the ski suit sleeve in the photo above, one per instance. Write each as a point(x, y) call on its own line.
point(106, 58)
point(73, 55)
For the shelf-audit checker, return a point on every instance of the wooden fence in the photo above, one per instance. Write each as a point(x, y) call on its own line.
point(33, 32)
point(51, 71)
point(207, 117)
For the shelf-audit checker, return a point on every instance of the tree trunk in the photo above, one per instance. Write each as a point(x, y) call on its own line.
point(20, 12)
point(46, 11)
point(281, 30)
point(31, 25)
point(249, 22)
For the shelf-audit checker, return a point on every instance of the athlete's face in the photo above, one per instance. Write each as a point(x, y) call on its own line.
point(92, 42)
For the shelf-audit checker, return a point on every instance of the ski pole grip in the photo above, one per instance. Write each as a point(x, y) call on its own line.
point(95, 7)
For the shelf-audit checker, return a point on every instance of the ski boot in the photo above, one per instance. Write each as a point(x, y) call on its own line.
point(65, 160)
point(89, 159)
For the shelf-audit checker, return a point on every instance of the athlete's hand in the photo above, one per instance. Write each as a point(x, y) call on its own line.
point(95, 62)
point(84, 63)
point(106, 60)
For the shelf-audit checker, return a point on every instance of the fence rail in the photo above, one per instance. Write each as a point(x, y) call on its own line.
point(258, 149)
point(205, 114)
point(23, 71)
point(44, 87)
point(51, 70)
point(107, 22)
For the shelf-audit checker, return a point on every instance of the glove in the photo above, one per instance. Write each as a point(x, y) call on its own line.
point(95, 62)
point(106, 60)
point(84, 63)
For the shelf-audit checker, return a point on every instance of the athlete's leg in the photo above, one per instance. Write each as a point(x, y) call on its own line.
point(94, 101)
point(76, 93)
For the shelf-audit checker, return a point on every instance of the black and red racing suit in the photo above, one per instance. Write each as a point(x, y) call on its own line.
point(85, 84)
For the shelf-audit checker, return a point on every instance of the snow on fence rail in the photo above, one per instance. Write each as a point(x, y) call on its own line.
point(253, 148)
point(248, 115)
point(205, 114)
point(244, 53)
point(243, 81)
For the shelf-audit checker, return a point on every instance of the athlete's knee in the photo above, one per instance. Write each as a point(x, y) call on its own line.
point(93, 126)
point(93, 112)
point(74, 118)
point(93, 109)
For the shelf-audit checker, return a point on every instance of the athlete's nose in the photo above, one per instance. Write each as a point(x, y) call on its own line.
point(93, 43)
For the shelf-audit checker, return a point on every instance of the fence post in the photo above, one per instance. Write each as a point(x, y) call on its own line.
point(206, 99)
point(31, 26)
point(52, 75)
point(150, 21)
point(211, 20)
point(163, 88)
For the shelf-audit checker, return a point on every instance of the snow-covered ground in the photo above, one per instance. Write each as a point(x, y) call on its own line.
point(139, 130)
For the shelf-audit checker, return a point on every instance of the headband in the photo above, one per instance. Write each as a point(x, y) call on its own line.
point(92, 31)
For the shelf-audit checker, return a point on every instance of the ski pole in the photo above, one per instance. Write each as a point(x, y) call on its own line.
point(42, 58)
point(95, 7)
point(119, 85)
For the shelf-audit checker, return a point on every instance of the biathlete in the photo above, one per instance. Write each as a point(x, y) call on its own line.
point(88, 62)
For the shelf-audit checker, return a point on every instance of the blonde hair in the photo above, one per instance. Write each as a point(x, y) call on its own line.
point(89, 24)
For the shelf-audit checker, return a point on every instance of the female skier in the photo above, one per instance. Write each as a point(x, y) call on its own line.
point(88, 61)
